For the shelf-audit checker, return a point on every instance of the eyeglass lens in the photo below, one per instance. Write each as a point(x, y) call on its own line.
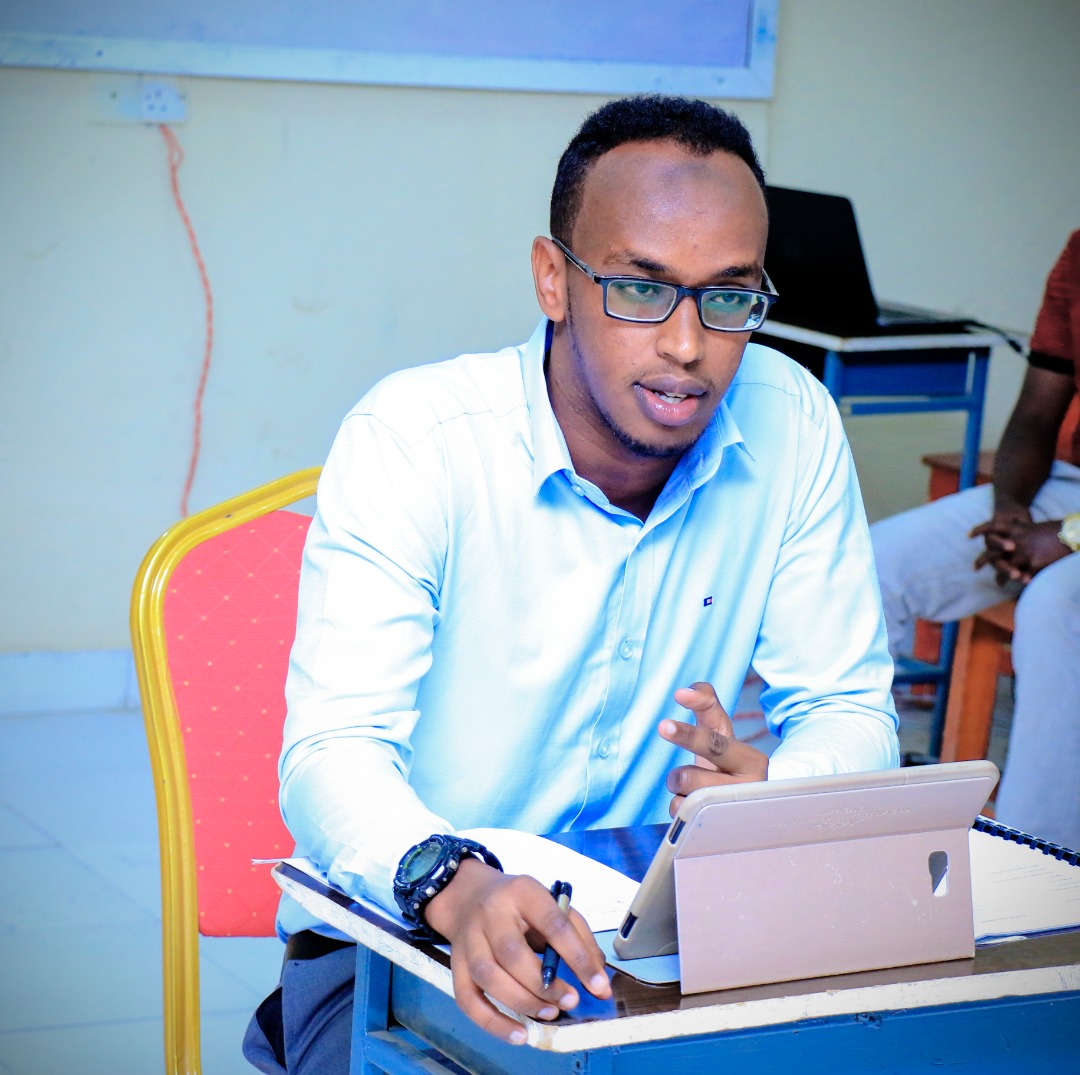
point(647, 300)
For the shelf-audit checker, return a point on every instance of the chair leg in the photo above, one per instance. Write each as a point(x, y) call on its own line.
point(972, 690)
point(947, 635)
point(927, 647)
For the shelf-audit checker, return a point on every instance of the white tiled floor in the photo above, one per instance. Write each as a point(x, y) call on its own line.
point(80, 905)
point(80, 924)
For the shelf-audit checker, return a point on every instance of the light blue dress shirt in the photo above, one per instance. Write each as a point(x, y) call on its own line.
point(484, 639)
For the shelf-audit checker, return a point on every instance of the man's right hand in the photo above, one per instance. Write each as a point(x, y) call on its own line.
point(719, 756)
point(1015, 547)
point(1018, 551)
point(999, 538)
point(496, 923)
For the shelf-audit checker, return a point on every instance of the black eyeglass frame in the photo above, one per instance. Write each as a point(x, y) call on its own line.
point(681, 291)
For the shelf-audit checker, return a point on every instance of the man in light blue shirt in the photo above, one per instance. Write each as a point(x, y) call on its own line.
point(524, 563)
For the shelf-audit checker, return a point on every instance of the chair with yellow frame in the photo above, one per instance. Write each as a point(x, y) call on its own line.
point(213, 615)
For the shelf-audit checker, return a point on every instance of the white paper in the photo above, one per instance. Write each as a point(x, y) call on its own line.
point(601, 895)
point(1017, 890)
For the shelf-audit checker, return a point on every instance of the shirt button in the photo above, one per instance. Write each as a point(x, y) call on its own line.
point(603, 749)
point(626, 650)
point(577, 489)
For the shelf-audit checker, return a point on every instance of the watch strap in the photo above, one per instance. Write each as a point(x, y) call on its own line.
point(413, 896)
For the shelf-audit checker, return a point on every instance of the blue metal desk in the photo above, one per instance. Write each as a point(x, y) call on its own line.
point(1014, 1007)
point(912, 374)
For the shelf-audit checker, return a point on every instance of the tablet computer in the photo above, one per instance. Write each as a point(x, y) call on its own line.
point(800, 863)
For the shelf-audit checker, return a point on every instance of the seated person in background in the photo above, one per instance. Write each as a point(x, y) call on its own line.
point(523, 562)
point(1017, 537)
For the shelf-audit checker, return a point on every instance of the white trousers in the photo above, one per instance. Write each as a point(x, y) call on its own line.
point(924, 561)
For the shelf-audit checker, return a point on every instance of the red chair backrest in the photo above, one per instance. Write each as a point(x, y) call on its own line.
point(230, 619)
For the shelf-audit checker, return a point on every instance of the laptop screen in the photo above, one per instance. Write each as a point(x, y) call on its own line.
point(814, 251)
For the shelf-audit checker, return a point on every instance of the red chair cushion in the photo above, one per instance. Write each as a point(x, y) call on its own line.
point(230, 618)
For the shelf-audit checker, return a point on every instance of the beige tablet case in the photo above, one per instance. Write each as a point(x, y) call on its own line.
point(824, 875)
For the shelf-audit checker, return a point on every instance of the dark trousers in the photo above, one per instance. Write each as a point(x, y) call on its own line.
point(305, 1025)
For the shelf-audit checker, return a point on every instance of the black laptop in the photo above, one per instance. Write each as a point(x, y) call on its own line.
point(814, 249)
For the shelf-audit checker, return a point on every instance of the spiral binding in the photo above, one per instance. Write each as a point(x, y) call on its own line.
point(995, 828)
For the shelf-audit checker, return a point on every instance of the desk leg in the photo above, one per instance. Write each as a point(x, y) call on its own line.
point(941, 696)
point(969, 467)
point(969, 463)
point(380, 1045)
point(371, 1006)
point(832, 376)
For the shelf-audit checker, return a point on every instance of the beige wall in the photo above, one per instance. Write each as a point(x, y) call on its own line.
point(952, 124)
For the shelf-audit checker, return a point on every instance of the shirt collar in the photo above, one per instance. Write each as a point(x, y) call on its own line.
point(552, 456)
point(550, 453)
point(703, 458)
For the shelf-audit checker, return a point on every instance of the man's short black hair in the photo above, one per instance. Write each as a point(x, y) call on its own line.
point(695, 125)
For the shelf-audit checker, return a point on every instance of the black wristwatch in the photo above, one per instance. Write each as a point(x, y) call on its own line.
point(428, 867)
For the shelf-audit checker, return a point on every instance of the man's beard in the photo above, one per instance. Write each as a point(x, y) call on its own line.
point(639, 448)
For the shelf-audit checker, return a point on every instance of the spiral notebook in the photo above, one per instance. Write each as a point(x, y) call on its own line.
point(1022, 885)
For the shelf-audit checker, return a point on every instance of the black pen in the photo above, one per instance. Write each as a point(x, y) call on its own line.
point(561, 891)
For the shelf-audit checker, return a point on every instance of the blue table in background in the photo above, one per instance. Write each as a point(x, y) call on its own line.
point(912, 374)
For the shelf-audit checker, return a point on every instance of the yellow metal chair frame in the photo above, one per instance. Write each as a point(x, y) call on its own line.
point(179, 899)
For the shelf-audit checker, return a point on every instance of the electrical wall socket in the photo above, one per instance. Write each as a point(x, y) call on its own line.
point(160, 101)
point(138, 99)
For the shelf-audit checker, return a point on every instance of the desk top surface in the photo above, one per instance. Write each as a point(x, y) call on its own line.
point(640, 1012)
point(915, 341)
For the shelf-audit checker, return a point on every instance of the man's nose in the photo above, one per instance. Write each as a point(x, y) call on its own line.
point(682, 336)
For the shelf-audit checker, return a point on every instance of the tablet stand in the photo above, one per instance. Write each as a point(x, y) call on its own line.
point(815, 907)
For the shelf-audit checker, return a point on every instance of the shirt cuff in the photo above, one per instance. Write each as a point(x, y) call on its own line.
point(834, 744)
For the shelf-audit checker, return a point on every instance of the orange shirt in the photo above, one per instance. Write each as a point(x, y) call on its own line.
point(1056, 342)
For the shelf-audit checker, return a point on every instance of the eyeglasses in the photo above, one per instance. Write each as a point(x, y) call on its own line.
point(635, 298)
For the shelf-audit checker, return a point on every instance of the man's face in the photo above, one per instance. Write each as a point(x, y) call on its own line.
point(654, 210)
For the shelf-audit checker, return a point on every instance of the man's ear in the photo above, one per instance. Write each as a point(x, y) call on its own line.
point(549, 277)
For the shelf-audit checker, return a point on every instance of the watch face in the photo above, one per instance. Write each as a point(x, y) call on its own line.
point(420, 861)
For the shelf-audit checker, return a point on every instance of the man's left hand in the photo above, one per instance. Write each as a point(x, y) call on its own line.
point(721, 758)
